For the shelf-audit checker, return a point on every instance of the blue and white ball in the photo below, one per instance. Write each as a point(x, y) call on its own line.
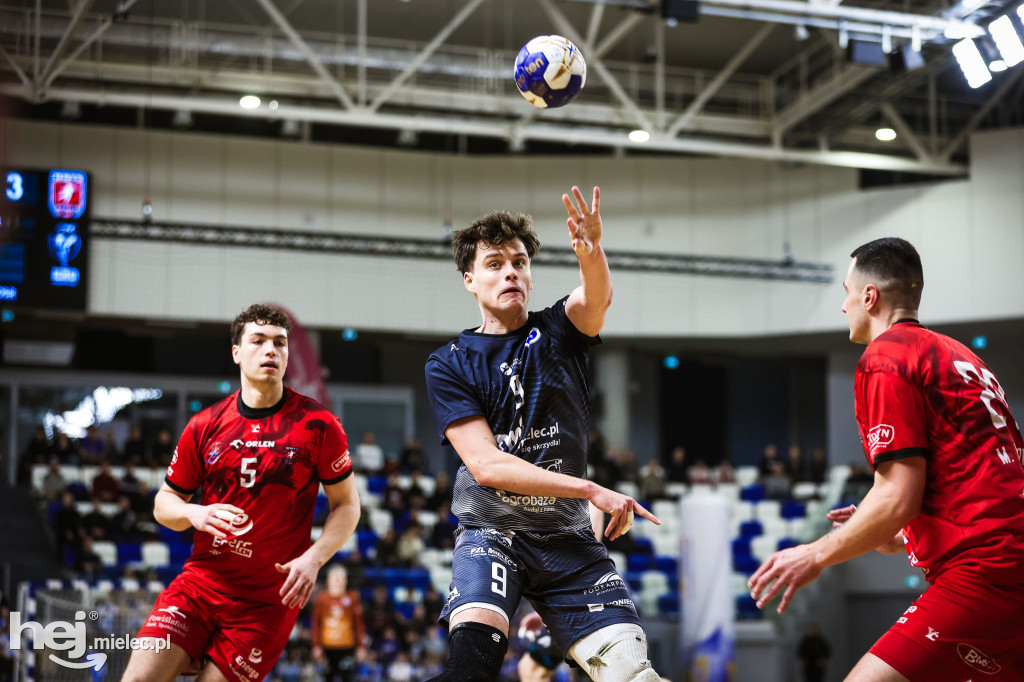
point(550, 71)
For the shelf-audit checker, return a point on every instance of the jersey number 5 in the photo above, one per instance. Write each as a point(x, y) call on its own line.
point(991, 390)
point(248, 473)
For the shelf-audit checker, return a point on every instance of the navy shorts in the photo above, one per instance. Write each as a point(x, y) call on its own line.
point(567, 577)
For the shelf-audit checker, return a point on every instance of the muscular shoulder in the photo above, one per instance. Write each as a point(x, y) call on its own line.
point(900, 350)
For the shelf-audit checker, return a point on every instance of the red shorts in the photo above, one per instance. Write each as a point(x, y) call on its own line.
point(244, 639)
point(960, 629)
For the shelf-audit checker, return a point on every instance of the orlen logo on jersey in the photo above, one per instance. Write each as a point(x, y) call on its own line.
point(976, 659)
point(880, 436)
point(239, 443)
point(341, 462)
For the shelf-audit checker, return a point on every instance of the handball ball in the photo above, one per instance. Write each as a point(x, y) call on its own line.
point(550, 71)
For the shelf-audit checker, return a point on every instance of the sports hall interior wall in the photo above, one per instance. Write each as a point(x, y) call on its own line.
point(657, 204)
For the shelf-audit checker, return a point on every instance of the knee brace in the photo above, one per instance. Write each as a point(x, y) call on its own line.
point(615, 653)
point(475, 654)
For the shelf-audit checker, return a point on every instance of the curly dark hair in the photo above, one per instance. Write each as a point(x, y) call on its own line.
point(896, 266)
point(495, 228)
point(261, 314)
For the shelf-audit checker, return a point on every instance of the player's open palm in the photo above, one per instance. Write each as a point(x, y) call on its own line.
point(621, 508)
point(584, 222)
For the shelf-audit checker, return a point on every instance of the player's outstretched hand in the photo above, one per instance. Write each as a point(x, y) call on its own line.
point(840, 516)
point(621, 507)
point(790, 569)
point(214, 519)
point(584, 223)
point(298, 586)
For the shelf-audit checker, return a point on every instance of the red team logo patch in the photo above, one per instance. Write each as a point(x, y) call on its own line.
point(67, 194)
point(880, 436)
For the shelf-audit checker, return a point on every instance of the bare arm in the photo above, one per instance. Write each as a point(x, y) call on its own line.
point(173, 510)
point(894, 499)
point(588, 302)
point(472, 439)
point(895, 545)
point(338, 528)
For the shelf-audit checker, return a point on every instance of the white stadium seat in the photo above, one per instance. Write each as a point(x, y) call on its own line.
point(156, 554)
point(106, 551)
point(619, 559)
point(746, 475)
point(628, 488)
point(763, 546)
point(804, 490)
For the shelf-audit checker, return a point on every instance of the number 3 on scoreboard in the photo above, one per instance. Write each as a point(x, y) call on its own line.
point(500, 575)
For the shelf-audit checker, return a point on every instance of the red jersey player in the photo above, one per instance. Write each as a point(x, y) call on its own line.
point(949, 487)
point(259, 458)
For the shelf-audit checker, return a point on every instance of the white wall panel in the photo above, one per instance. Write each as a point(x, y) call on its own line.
point(969, 232)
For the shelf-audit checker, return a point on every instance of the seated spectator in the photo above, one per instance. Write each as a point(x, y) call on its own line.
point(380, 613)
point(387, 549)
point(401, 670)
point(433, 603)
point(369, 457)
point(818, 469)
point(111, 452)
point(95, 524)
point(67, 525)
point(724, 473)
point(104, 486)
point(162, 449)
point(777, 484)
point(64, 450)
point(53, 483)
point(699, 473)
point(135, 447)
point(387, 646)
point(129, 482)
point(122, 525)
point(770, 456)
point(410, 544)
point(38, 447)
point(629, 469)
point(91, 446)
point(88, 563)
point(652, 481)
point(415, 490)
point(393, 498)
point(442, 536)
point(795, 464)
point(442, 491)
point(675, 470)
point(412, 458)
point(354, 564)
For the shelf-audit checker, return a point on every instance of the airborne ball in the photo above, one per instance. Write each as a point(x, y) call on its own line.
point(550, 71)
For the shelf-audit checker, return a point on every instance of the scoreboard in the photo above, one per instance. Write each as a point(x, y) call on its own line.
point(44, 238)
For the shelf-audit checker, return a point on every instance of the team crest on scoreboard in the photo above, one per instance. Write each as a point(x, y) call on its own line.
point(66, 195)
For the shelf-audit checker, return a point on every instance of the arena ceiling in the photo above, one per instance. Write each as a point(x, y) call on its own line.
point(761, 79)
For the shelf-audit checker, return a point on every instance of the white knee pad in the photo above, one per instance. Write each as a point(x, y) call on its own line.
point(615, 653)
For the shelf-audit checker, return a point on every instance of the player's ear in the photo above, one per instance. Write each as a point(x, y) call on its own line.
point(870, 296)
point(467, 280)
point(235, 355)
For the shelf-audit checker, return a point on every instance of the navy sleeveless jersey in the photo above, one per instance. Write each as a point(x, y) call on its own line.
point(531, 386)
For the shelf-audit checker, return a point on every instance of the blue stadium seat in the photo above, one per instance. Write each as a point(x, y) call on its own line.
point(79, 491)
point(668, 565)
point(129, 552)
point(418, 578)
point(752, 493)
point(786, 543)
point(406, 608)
point(321, 509)
point(749, 529)
point(745, 563)
point(166, 574)
point(642, 545)
point(741, 545)
point(376, 484)
point(669, 604)
point(366, 540)
point(746, 608)
point(638, 563)
point(634, 579)
point(51, 512)
point(179, 551)
point(173, 536)
point(793, 510)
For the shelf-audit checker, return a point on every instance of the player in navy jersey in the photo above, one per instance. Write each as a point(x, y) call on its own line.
point(948, 488)
point(257, 458)
point(512, 398)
